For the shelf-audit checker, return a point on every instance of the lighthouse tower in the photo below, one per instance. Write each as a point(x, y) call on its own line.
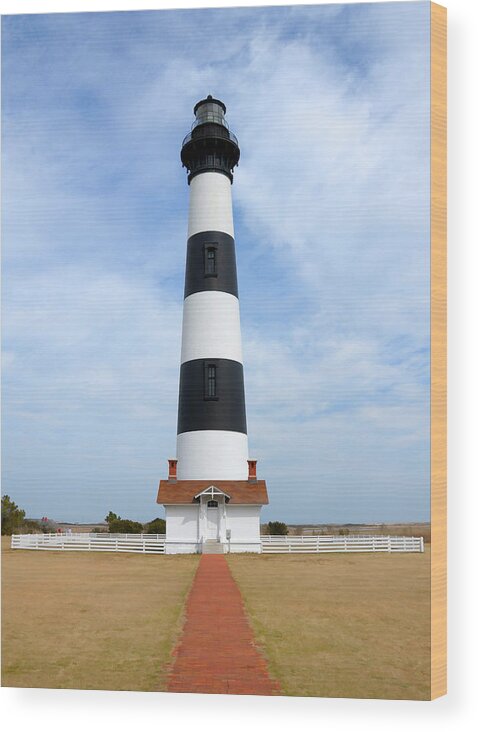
point(212, 432)
point(211, 472)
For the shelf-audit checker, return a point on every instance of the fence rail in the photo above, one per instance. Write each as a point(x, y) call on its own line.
point(143, 543)
point(324, 544)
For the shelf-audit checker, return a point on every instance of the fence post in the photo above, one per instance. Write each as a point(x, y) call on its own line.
point(422, 548)
point(389, 544)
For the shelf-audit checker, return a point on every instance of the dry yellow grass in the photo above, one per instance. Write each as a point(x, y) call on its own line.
point(342, 625)
point(90, 621)
point(337, 625)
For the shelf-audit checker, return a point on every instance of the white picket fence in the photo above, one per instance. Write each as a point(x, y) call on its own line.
point(144, 543)
point(329, 544)
point(154, 543)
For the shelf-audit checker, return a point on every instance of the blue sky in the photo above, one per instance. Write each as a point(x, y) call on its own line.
point(331, 205)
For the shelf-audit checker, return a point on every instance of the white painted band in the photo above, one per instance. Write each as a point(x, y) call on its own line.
point(210, 204)
point(211, 326)
point(212, 455)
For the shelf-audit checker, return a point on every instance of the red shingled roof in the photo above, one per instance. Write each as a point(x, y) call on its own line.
point(239, 491)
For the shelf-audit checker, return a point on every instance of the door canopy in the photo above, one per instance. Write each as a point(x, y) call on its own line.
point(212, 492)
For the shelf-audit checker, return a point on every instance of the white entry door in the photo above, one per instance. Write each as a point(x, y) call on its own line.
point(212, 522)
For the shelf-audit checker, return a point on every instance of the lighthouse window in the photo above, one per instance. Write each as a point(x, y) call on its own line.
point(210, 261)
point(212, 504)
point(211, 381)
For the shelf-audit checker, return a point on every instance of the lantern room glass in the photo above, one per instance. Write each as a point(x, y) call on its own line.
point(210, 112)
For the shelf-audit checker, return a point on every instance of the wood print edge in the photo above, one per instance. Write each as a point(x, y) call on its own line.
point(438, 101)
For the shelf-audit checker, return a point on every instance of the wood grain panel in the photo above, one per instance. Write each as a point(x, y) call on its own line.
point(438, 349)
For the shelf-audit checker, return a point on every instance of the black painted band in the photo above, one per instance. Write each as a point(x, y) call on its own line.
point(197, 277)
point(198, 411)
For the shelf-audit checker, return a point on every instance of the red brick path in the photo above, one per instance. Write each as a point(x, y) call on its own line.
point(216, 654)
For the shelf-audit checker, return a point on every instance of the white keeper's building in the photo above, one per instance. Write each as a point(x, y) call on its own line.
point(212, 497)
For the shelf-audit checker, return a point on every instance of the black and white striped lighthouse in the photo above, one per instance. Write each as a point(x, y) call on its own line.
point(212, 497)
point(212, 432)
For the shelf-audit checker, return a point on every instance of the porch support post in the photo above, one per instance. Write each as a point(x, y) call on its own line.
point(203, 519)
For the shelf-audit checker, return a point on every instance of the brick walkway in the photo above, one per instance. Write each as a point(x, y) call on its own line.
point(216, 653)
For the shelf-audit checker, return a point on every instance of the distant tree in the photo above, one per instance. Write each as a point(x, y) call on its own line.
point(30, 526)
point(112, 517)
point(156, 526)
point(12, 516)
point(277, 528)
point(344, 532)
point(124, 526)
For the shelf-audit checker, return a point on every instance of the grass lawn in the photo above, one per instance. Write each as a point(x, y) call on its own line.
point(338, 625)
point(341, 625)
point(90, 621)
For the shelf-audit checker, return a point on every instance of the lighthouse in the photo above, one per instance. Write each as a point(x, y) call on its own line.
point(212, 496)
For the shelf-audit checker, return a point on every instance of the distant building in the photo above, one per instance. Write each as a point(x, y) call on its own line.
point(212, 496)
